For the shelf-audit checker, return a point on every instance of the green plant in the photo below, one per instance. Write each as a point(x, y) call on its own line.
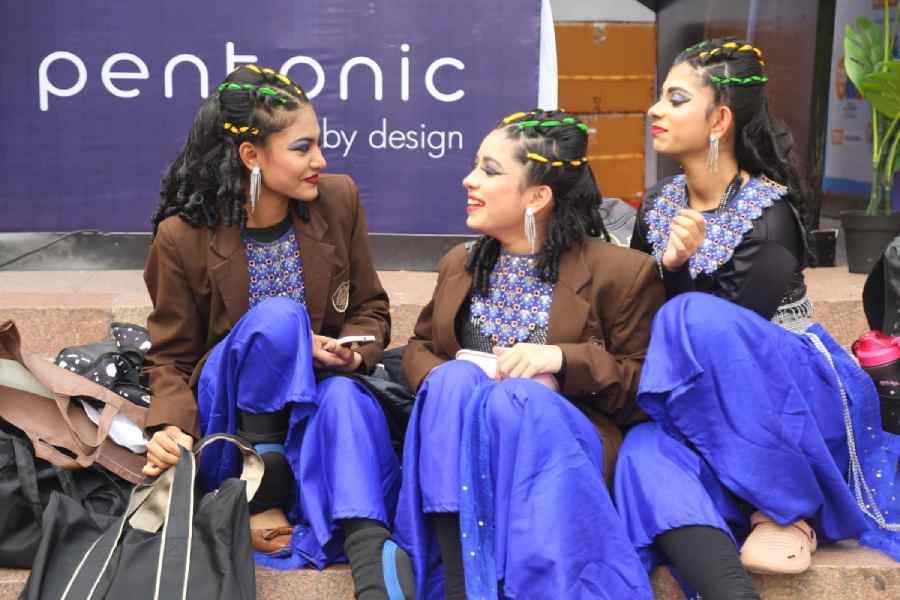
point(869, 62)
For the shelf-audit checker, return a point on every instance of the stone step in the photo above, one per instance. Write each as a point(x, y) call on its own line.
point(54, 309)
point(840, 572)
point(57, 309)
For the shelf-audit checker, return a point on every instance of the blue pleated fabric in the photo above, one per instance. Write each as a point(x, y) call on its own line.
point(523, 467)
point(746, 416)
point(338, 444)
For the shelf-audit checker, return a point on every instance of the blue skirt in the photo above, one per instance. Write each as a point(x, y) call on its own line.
point(746, 416)
point(523, 467)
point(338, 445)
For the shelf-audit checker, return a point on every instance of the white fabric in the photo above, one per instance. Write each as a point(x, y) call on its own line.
point(123, 430)
point(548, 91)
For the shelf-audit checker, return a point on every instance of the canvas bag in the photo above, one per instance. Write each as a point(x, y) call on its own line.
point(40, 399)
point(168, 545)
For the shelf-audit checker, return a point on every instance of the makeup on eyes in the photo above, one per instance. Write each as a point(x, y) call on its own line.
point(303, 145)
point(678, 96)
point(490, 166)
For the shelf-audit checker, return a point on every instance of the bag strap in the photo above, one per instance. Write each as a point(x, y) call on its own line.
point(16, 375)
point(93, 564)
point(27, 475)
point(253, 469)
point(174, 563)
point(151, 515)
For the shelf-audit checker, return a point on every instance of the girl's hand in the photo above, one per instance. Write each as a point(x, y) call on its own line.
point(163, 451)
point(327, 354)
point(527, 360)
point(686, 233)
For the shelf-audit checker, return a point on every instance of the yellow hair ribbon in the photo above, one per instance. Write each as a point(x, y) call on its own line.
point(514, 117)
point(254, 68)
point(538, 157)
point(283, 79)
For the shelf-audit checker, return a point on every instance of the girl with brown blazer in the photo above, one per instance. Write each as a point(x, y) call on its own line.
point(504, 478)
point(259, 263)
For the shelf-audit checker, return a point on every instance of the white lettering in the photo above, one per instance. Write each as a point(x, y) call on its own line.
point(232, 59)
point(316, 67)
point(404, 74)
point(45, 88)
point(376, 71)
point(186, 58)
point(429, 79)
point(107, 74)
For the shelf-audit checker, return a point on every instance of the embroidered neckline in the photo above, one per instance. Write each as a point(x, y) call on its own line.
point(517, 304)
point(725, 228)
point(274, 269)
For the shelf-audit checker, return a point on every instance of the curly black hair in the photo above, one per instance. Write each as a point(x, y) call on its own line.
point(763, 144)
point(561, 137)
point(205, 184)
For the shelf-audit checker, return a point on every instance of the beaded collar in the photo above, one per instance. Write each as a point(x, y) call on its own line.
point(275, 269)
point(725, 228)
point(517, 304)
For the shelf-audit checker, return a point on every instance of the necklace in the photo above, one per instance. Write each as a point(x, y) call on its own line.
point(731, 191)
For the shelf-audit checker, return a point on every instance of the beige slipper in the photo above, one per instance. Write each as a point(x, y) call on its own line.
point(270, 531)
point(773, 549)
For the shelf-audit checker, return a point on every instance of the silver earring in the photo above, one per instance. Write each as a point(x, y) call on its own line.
point(712, 159)
point(255, 180)
point(530, 228)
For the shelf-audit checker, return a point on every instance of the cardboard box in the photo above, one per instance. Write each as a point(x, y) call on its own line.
point(606, 67)
point(620, 178)
point(616, 154)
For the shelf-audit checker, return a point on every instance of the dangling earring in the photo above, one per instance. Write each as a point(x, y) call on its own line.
point(712, 159)
point(530, 228)
point(255, 179)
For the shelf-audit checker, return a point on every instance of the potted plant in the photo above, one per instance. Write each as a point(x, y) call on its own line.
point(870, 65)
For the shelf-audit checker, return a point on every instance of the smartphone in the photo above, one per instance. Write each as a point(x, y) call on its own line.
point(359, 340)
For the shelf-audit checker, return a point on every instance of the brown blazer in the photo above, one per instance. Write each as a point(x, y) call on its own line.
point(198, 282)
point(602, 308)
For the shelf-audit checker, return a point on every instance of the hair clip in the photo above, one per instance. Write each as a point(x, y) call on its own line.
point(514, 117)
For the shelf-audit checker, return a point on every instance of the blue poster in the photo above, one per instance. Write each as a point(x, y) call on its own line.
point(98, 98)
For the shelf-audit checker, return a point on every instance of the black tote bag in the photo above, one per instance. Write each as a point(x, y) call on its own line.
point(26, 486)
point(169, 544)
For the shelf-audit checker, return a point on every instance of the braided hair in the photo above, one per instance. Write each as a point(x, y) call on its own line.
point(763, 144)
point(552, 145)
point(205, 183)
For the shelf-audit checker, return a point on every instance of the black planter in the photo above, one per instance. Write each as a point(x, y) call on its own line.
point(867, 237)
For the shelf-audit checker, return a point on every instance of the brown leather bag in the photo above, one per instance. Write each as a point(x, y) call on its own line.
point(36, 397)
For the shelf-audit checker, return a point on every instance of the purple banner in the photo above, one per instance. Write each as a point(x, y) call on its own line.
point(98, 99)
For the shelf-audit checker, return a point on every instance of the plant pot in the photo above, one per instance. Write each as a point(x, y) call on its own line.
point(866, 237)
point(823, 244)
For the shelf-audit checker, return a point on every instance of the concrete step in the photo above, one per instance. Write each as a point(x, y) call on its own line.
point(57, 309)
point(54, 309)
point(840, 572)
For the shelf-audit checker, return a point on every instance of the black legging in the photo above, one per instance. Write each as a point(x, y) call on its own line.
point(446, 527)
point(709, 562)
point(278, 480)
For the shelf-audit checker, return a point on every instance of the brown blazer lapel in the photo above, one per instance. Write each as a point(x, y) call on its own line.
point(318, 260)
point(569, 311)
point(228, 271)
point(453, 293)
